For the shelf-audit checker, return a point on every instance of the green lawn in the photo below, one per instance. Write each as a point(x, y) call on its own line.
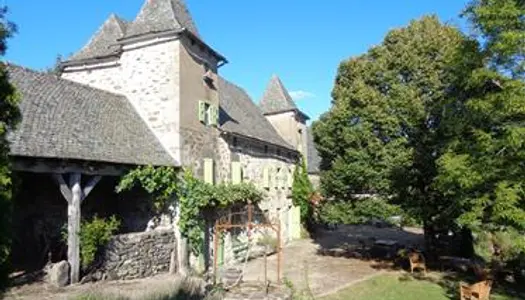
point(392, 287)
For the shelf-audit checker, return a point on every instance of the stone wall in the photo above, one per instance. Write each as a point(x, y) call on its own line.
point(291, 126)
point(138, 255)
point(147, 73)
point(254, 157)
point(105, 76)
point(196, 146)
point(151, 72)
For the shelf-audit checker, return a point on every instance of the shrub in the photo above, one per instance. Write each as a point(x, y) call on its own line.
point(499, 246)
point(94, 234)
point(360, 211)
point(302, 190)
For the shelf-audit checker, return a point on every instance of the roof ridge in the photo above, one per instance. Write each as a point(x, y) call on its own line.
point(60, 79)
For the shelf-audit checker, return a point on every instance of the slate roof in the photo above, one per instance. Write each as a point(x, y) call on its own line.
point(240, 115)
point(104, 42)
point(162, 15)
point(313, 159)
point(65, 120)
point(276, 98)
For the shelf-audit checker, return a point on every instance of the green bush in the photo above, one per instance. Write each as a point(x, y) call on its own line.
point(360, 211)
point(94, 234)
point(302, 190)
point(499, 246)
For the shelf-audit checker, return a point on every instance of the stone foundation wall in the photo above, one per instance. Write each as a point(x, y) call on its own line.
point(138, 255)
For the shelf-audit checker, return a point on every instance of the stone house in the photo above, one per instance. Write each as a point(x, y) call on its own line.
point(148, 91)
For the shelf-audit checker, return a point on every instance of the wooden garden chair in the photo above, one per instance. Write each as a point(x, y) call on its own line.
point(417, 261)
point(477, 291)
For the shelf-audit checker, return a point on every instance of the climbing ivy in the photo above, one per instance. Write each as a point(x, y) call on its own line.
point(302, 190)
point(160, 182)
point(195, 197)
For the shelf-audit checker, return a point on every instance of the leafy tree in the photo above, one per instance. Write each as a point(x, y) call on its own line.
point(480, 171)
point(9, 114)
point(501, 25)
point(302, 190)
point(382, 135)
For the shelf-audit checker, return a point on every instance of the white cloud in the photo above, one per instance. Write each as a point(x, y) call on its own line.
point(300, 94)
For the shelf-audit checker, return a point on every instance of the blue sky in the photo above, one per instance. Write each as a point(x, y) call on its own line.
point(302, 41)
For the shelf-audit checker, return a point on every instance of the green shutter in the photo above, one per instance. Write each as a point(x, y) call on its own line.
point(202, 111)
point(266, 177)
point(236, 172)
point(208, 170)
point(214, 113)
point(217, 115)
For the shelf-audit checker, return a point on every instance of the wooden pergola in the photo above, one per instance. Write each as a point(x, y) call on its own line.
point(68, 175)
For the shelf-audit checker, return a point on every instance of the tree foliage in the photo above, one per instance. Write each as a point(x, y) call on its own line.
point(482, 171)
point(382, 135)
point(302, 190)
point(501, 25)
point(436, 120)
point(9, 115)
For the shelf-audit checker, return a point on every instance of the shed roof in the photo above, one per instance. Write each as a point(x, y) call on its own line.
point(63, 119)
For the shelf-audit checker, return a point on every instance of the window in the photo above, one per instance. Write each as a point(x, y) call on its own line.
point(235, 142)
point(278, 151)
point(265, 149)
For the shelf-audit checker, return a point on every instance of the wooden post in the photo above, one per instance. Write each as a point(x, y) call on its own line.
point(215, 250)
point(73, 227)
point(74, 195)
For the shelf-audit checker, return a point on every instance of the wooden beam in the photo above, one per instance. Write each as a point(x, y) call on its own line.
point(89, 186)
point(64, 188)
point(74, 195)
point(73, 227)
point(36, 165)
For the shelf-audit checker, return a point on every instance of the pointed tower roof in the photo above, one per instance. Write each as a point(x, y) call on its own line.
point(276, 98)
point(104, 42)
point(162, 15)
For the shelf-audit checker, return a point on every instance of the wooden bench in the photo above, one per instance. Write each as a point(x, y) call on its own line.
point(478, 291)
point(417, 261)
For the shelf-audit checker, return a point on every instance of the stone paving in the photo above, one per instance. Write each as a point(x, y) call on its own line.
point(306, 268)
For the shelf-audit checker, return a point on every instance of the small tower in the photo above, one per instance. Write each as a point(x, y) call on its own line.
point(278, 107)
